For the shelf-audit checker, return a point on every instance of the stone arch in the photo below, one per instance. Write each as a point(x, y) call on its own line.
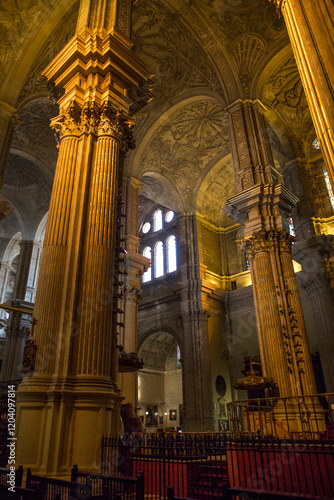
point(216, 185)
point(40, 232)
point(160, 384)
point(135, 158)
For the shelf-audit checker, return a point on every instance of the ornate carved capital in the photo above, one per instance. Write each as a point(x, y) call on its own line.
point(15, 331)
point(92, 119)
point(268, 241)
point(132, 295)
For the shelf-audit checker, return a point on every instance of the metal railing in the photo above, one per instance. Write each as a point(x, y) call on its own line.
point(306, 417)
point(201, 466)
point(127, 488)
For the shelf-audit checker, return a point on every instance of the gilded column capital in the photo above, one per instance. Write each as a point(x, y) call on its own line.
point(268, 241)
point(93, 119)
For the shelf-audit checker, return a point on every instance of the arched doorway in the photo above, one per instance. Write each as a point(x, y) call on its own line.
point(159, 395)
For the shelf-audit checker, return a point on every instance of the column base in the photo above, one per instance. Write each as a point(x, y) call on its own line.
point(61, 423)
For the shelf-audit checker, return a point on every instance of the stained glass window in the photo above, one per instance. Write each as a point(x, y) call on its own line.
point(329, 188)
point(316, 143)
point(291, 227)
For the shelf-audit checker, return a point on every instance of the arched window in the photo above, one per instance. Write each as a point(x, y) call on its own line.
point(159, 243)
point(158, 259)
point(171, 254)
point(148, 275)
point(157, 220)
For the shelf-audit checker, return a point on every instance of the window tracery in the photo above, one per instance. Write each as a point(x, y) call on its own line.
point(159, 244)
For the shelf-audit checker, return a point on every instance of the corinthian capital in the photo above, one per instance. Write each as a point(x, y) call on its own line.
point(93, 119)
point(268, 241)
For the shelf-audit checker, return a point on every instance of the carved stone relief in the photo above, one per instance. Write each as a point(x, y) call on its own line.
point(18, 21)
point(28, 190)
point(285, 94)
point(186, 144)
point(156, 349)
point(36, 83)
point(34, 134)
point(220, 185)
point(248, 30)
point(163, 42)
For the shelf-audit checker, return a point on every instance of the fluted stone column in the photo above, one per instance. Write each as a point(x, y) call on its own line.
point(72, 399)
point(264, 206)
point(311, 32)
point(19, 324)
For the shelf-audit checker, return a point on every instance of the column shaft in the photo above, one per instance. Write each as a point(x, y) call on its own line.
point(310, 28)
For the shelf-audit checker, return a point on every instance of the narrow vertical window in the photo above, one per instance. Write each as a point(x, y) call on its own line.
point(291, 227)
point(148, 275)
point(157, 218)
point(158, 260)
point(329, 188)
point(171, 254)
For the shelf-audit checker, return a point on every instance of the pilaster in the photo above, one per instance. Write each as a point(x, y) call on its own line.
point(196, 364)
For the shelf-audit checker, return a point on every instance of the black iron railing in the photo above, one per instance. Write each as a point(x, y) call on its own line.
point(128, 488)
point(201, 466)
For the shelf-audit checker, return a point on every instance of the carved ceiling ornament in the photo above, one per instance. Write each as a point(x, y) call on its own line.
point(18, 21)
point(34, 133)
point(217, 186)
point(200, 126)
point(248, 50)
point(164, 43)
point(186, 144)
point(156, 350)
point(36, 82)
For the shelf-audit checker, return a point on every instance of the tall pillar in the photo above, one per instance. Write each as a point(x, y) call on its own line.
point(72, 398)
point(264, 206)
point(19, 324)
point(311, 32)
point(196, 371)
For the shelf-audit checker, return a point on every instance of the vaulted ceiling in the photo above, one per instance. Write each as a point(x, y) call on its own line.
point(205, 54)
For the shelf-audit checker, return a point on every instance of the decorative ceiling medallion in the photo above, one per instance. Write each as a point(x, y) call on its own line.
point(199, 126)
